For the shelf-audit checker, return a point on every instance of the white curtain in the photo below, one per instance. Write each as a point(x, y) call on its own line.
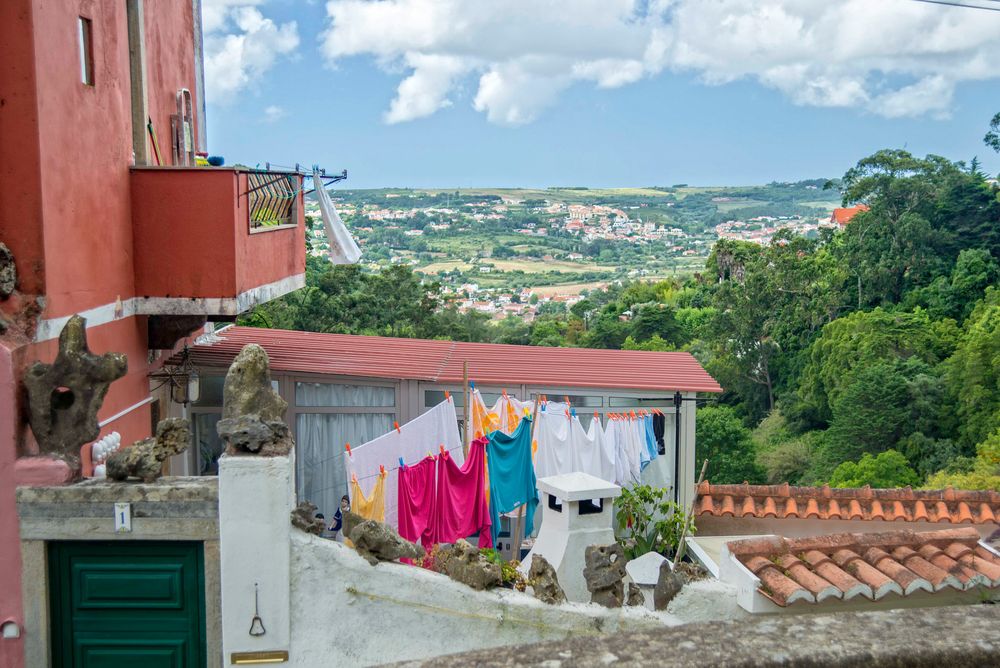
point(328, 394)
point(319, 445)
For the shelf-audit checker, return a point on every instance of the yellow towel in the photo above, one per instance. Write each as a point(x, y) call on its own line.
point(373, 507)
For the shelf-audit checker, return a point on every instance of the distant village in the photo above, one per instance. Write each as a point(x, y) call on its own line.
point(586, 222)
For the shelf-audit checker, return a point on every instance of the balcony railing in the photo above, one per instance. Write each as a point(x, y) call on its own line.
point(272, 198)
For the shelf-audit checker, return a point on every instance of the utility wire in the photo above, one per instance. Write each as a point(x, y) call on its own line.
point(957, 4)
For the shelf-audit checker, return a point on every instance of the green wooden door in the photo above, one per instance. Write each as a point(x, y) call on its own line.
point(123, 604)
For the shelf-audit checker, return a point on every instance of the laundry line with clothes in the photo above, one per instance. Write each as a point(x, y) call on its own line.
point(436, 493)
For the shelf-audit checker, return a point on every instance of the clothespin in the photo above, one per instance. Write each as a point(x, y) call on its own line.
point(596, 417)
point(396, 425)
point(633, 414)
point(354, 478)
point(573, 412)
point(504, 393)
point(447, 395)
point(543, 406)
point(381, 470)
point(401, 464)
point(566, 397)
point(527, 413)
point(347, 447)
point(472, 384)
point(441, 449)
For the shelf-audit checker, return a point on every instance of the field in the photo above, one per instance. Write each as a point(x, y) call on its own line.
point(567, 288)
point(540, 266)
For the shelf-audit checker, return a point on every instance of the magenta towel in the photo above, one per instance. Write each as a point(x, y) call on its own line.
point(461, 498)
point(416, 503)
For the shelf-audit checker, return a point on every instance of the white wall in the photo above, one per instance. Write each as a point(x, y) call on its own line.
point(348, 613)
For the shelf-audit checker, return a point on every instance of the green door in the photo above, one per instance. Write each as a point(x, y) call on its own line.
point(124, 604)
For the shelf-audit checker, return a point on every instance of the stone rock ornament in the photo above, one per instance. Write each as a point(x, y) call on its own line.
point(8, 272)
point(635, 596)
point(377, 542)
point(667, 587)
point(463, 563)
point(544, 582)
point(252, 412)
point(304, 517)
point(64, 397)
point(605, 573)
point(144, 459)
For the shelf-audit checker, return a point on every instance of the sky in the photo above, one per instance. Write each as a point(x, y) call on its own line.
point(598, 93)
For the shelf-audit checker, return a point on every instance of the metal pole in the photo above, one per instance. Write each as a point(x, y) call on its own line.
point(467, 439)
point(678, 400)
point(518, 535)
point(688, 517)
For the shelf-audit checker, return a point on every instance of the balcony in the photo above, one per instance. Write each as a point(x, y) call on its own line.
point(215, 241)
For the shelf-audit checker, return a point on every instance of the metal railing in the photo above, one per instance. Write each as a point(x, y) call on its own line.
point(272, 198)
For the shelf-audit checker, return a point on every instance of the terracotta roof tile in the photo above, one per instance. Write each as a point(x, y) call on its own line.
point(872, 565)
point(863, 503)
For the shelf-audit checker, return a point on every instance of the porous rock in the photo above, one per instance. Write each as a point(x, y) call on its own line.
point(463, 563)
point(544, 582)
point(252, 412)
point(635, 596)
point(667, 587)
point(604, 571)
point(376, 541)
point(144, 459)
point(65, 396)
point(8, 272)
point(304, 517)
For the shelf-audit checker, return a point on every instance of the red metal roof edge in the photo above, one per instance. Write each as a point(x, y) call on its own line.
point(443, 362)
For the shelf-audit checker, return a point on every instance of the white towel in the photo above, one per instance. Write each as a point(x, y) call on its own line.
point(343, 249)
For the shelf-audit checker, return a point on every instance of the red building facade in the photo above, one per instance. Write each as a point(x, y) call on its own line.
point(105, 218)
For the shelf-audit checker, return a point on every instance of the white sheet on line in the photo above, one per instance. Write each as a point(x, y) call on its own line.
point(412, 442)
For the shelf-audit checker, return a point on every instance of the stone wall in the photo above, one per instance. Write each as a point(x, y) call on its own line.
point(955, 637)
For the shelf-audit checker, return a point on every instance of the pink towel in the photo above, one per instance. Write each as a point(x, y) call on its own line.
point(416, 503)
point(461, 498)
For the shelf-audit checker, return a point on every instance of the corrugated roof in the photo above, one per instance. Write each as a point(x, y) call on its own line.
point(441, 361)
point(844, 566)
point(954, 506)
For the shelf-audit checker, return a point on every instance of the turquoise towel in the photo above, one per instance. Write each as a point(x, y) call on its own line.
point(512, 476)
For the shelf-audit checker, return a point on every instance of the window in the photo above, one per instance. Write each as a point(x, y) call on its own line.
point(575, 400)
point(208, 446)
point(434, 397)
point(621, 402)
point(86, 36)
point(347, 396)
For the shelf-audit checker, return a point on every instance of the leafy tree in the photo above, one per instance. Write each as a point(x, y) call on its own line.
point(984, 472)
point(974, 371)
point(992, 138)
point(787, 462)
point(871, 413)
point(655, 343)
point(722, 439)
point(886, 470)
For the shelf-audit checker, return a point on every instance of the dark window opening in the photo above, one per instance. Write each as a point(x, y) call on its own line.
point(86, 38)
point(554, 504)
point(591, 506)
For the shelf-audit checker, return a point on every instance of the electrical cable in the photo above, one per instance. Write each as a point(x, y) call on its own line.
point(956, 4)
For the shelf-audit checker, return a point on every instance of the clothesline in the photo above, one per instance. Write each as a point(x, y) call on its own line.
point(396, 468)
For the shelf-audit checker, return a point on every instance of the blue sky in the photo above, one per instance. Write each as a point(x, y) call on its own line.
point(288, 83)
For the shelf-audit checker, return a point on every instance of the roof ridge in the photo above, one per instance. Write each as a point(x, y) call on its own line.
point(785, 490)
point(446, 360)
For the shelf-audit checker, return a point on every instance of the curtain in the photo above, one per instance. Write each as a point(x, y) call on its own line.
point(328, 394)
point(319, 445)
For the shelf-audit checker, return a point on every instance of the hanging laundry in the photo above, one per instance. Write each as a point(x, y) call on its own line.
point(411, 442)
point(659, 428)
point(590, 454)
point(512, 476)
point(416, 502)
point(484, 420)
point(649, 436)
point(553, 435)
point(371, 507)
point(630, 463)
point(460, 508)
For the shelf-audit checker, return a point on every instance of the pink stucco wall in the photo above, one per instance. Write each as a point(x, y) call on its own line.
point(11, 651)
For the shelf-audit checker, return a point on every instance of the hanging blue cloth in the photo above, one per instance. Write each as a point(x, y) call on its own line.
point(651, 447)
point(512, 476)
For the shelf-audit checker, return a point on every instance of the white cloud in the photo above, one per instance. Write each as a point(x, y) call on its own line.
point(895, 58)
point(274, 113)
point(241, 45)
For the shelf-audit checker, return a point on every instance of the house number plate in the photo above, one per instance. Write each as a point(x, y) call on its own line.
point(123, 518)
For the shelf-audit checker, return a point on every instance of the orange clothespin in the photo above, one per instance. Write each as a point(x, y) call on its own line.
point(504, 393)
point(381, 470)
point(633, 414)
point(396, 425)
point(447, 395)
point(347, 447)
point(354, 478)
point(441, 449)
point(566, 397)
point(596, 417)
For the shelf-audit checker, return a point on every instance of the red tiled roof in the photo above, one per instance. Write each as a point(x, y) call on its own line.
point(872, 565)
point(842, 216)
point(859, 503)
point(441, 361)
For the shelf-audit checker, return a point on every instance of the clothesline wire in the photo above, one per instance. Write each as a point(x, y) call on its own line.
point(396, 468)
